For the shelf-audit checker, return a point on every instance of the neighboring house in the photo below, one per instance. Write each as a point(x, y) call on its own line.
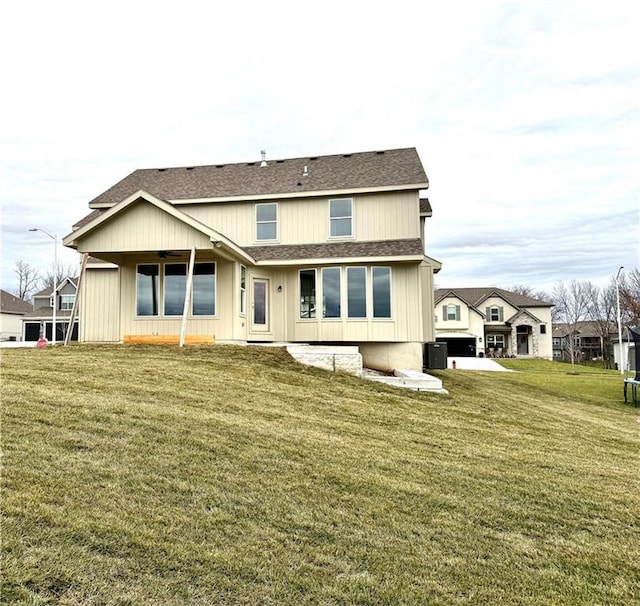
point(492, 322)
point(321, 249)
point(39, 321)
point(12, 310)
point(589, 342)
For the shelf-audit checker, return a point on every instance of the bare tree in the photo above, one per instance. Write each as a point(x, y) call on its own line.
point(27, 280)
point(64, 271)
point(602, 312)
point(527, 291)
point(572, 303)
point(630, 297)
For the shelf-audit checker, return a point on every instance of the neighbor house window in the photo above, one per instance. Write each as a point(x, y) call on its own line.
point(381, 277)
point(495, 314)
point(543, 329)
point(308, 293)
point(331, 292)
point(356, 292)
point(204, 289)
point(147, 290)
point(67, 301)
point(451, 313)
point(267, 221)
point(341, 217)
point(495, 341)
point(243, 289)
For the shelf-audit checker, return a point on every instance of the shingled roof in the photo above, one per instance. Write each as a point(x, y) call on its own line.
point(475, 296)
point(337, 250)
point(10, 304)
point(395, 168)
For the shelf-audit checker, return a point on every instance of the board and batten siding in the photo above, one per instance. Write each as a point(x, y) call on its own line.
point(99, 306)
point(143, 227)
point(219, 326)
point(407, 296)
point(383, 216)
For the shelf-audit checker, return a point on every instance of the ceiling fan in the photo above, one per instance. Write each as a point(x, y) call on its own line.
point(163, 254)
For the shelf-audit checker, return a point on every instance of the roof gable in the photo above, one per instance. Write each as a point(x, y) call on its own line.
point(476, 296)
point(366, 171)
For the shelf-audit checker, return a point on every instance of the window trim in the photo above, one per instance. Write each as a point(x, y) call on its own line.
point(373, 301)
point(67, 296)
point(313, 318)
point(351, 217)
point(276, 221)
point(243, 290)
point(158, 294)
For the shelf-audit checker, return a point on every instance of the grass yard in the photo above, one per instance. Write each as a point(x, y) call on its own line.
point(230, 475)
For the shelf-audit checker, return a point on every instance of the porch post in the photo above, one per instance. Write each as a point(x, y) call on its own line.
point(187, 296)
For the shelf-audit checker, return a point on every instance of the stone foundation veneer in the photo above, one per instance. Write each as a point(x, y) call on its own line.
point(535, 336)
point(339, 358)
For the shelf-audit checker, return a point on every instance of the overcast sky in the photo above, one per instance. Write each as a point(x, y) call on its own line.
point(525, 114)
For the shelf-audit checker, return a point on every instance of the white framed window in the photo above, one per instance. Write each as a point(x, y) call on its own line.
point(243, 289)
point(495, 341)
point(451, 313)
point(173, 288)
point(495, 314)
point(147, 289)
point(307, 282)
point(381, 288)
point(356, 292)
point(341, 218)
point(67, 301)
point(331, 292)
point(267, 221)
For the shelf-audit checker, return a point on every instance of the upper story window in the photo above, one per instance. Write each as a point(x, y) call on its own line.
point(341, 218)
point(267, 221)
point(451, 313)
point(495, 314)
point(67, 301)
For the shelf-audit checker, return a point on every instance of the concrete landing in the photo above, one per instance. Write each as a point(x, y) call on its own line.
point(476, 364)
point(408, 379)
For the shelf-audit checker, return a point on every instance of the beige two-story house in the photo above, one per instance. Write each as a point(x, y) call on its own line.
point(319, 249)
point(38, 322)
point(493, 322)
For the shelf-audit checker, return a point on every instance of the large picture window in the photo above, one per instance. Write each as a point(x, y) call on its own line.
point(381, 277)
point(204, 289)
point(175, 283)
point(357, 292)
point(331, 292)
point(267, 221)
point(341, 217)
point(147, 290)
point(308, 293)
point(203, 301)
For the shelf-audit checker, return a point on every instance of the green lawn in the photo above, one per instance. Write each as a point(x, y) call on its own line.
point(231, 475)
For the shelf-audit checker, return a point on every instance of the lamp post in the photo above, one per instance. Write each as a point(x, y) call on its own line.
point(619, 322)
point(55, 280)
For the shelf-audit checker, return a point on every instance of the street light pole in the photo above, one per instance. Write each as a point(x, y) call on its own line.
point(55, 281)
point(619, 322)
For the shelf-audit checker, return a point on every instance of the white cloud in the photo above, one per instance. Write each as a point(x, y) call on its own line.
point(525, 114)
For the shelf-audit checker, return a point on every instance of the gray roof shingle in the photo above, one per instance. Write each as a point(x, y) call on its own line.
point(10, 304)
point(337, 250)
point(367, 170)
point(475, 296)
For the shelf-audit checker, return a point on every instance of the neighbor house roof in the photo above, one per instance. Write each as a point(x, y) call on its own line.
point(367, 171)
point(49, 290)
point(585, 328)
point(476, 296)
point(10, 304)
